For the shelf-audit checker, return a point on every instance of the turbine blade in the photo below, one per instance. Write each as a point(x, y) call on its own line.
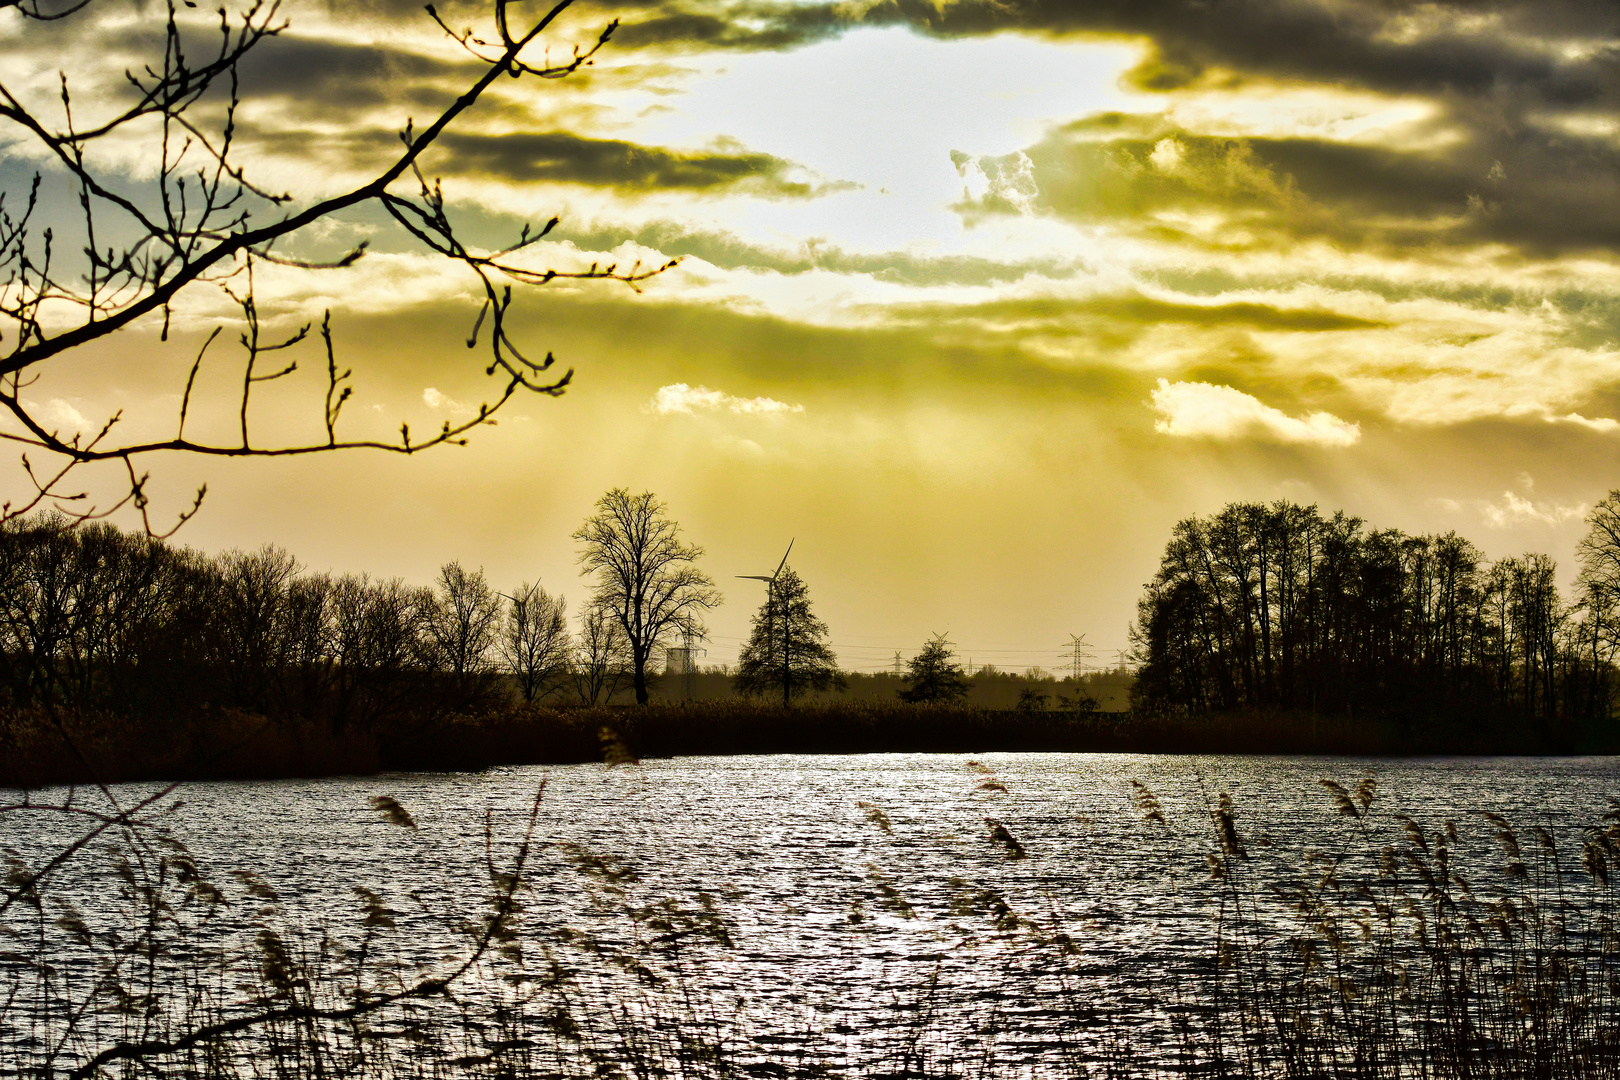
point(785, 554)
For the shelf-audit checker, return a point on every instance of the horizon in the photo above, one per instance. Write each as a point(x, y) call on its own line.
point(977, 300)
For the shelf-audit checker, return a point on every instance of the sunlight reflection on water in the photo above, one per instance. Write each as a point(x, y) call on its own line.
point(839, 928)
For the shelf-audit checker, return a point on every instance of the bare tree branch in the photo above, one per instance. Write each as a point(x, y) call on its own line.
point(198, 225)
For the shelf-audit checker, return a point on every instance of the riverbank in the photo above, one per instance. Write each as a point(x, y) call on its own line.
point(40, 749)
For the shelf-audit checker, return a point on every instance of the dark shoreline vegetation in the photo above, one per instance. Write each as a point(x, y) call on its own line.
point(236, 745)
point(1267, 629)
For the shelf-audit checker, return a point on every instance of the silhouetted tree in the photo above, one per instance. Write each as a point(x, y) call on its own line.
point(249, 622)
point(377, 648)
point(645, 578)
point(1081, 701)
point(534, 640)
point(787, 650)
point(462, 617)
point(306, 645)
point(935, 676)
point(1031, 699)
point(1598, 597)
point(601, 661)
point(1279, 607)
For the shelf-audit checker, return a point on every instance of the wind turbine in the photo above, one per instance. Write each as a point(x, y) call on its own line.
point(770, 612)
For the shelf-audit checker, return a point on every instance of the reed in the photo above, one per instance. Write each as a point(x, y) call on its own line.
point(1404, 958)
point(1464, 948)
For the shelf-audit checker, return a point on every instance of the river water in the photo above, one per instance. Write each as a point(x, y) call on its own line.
point(849, 908)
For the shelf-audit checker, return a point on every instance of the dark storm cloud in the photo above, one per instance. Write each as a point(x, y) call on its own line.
point(308, 73)
point(1513, 51)
point(1397, 46)
point(1540, 191)
point(559, 156)
point(335, 75)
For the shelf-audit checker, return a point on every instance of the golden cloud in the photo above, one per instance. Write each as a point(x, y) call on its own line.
point(1204, 410)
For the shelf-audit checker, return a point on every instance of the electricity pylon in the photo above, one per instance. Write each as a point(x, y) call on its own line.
point(689, 645)
point(1080, 650)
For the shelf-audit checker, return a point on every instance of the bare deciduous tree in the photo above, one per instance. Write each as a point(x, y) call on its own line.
point(1598, 588)
point(463, 623)
point(601, 659)
point(374, 643)
point(249, 615)
point(534, 642)
point(201, 221)
point(645, 577)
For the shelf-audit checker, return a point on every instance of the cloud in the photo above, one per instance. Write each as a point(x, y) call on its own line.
point(433, 399)
point(560, 156)
point(1203, 410)
point(1167, 155)
point(998, 183)
point(1562, 196)
point(58, 414)
point(334, 76)
point(1082, 312)
point(59, 411)
point(729, 251)
point(1470, 126)
point(1596, 423)
point(1514, 510)
point(1530, 98)
point(681, 398)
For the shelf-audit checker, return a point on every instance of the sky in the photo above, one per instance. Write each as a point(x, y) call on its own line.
point(976, 298)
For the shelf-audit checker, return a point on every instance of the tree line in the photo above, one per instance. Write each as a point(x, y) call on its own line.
point(96, 619)
point(93, 618)
point(1279, 607)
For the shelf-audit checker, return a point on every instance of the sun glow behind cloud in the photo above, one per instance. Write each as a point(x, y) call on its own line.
point(1200, 410)
point(1135, 241)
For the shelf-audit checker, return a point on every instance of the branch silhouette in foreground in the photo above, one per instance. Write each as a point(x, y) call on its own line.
point(201, 221)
